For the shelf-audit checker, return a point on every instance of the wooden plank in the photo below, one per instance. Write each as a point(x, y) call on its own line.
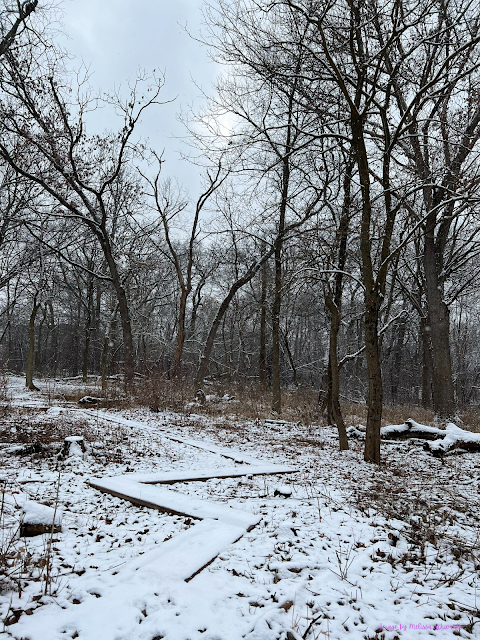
point(171, 477)
point(169, 501)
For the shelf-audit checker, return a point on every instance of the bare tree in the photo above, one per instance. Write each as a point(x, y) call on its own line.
point(82, 175)
point(13, 20)
point(169, 202)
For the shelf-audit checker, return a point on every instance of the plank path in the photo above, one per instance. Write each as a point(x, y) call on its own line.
point(220, 526)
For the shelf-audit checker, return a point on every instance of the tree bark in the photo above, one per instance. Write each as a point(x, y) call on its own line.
point(54, 338)
point(438, 334)
point(262, 360)
point(31, 347)
point(88, 330)
point(334, 305)
point(106, 347)
point(277, 300)
point(334, 374)
point(372, 301)
point(427, 365)
point(396, 358)
point(128, 353)
point(181, 331)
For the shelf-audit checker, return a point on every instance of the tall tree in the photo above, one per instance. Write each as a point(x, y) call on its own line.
point(82, 175)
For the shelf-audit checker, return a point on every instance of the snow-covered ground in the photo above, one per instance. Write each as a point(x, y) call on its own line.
point(342, 549)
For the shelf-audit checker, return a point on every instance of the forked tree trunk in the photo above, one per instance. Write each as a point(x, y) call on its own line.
point(31, 347)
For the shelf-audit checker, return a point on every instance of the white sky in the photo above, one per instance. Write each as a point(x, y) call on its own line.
point(117, 37)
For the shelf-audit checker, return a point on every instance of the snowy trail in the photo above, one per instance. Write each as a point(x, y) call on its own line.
point(115, 607)
point(238, 456)
point(119, 604)
point(173, 502)
point(171, 477)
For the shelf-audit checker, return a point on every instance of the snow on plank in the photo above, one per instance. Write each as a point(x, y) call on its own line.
point(173, 502)
point(118, 604)
point(185, 555)
point(238, 456)
point(171, 477)
point(220, 526)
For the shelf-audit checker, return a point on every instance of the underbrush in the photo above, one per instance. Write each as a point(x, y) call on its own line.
point(252, 401)
point(28, 432)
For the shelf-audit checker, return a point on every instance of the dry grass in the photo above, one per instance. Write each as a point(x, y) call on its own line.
point(40, 435)
point(356, 414)
point(253, 402)
point(471, 419)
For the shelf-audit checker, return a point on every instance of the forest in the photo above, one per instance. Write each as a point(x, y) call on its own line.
point(243, 405)
point(334, 242)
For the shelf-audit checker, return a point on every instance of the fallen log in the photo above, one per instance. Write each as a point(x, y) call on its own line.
point(455, 438)
point(439, 441)
point(411, 429)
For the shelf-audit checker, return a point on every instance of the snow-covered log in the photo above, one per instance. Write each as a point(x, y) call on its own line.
point(411, 429)
point(454, 438)
point(39, 519)
point(440, 441)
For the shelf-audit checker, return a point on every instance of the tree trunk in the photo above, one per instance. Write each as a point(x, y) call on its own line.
point(427, 365)
point(277, 292)
point(106, 347)
point(9, 329)
point(290, 359)
point(54, 339)
point(88, 331)
point(128, 354)
point(31, 347)
point(372, 302)
point(375, 387)
point(334, 304)
point(177, 359)
point(438, 334)
point(397, 354)
point(40, 353)
point(334, 374)
point(262, 360)
point(277, 300)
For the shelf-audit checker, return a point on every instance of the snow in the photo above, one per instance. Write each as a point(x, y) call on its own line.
point(453, 436)
point(355, 551)
point(173, 502)
point(169, 477)
point(35, 513)
point(410, 426)
point(283, 490)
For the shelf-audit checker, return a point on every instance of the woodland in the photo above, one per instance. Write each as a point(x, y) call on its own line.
point(334, 243)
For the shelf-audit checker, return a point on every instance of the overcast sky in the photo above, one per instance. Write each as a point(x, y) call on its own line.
point(117, 37)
